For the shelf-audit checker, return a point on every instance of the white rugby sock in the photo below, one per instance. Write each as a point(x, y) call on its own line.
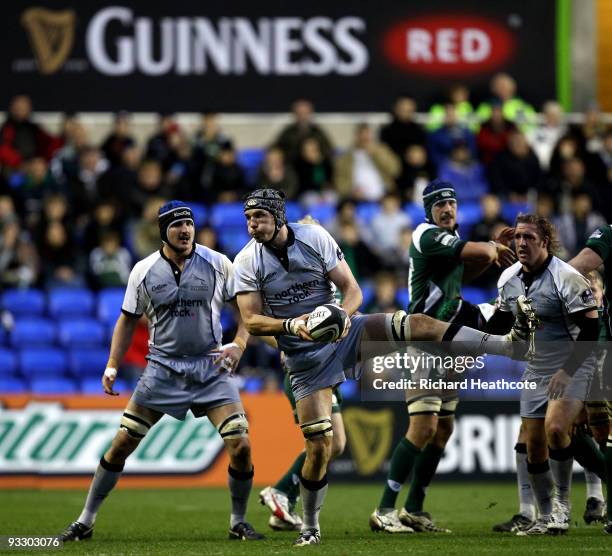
point(313, 494)
point(593, 485)
point(526, 498)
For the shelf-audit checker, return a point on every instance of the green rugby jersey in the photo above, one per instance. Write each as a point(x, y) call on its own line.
point(436, 271)
point(600, 241)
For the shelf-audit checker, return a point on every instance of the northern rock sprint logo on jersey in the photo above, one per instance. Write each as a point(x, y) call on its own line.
point(298, 291)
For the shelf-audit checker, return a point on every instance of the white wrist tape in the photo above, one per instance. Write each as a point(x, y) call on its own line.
point(230, 345)
point(110, 372)
point(291, 326)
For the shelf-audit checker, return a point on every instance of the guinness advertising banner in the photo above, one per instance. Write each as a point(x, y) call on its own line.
point(241, 56)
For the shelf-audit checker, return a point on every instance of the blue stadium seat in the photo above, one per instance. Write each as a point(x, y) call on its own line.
point(403, 297)
point(8, 363)
point(477, 295)
point(253, 384)
point(227, 320)
point(42, 362)
point(64, 302)
point(367, 290)
point(227, 215)
point(510, 211)
point(87, 362)
point(232, 240)
point(3, 336)
point(13, 386)
point(367, 211)
point(94, 386)
point(250, 160)
point(199, 213)
point(109, 304)
point(53, 386)
point(33, 332)
point(350, 390)
point(81, 332)
point(468, 214)
point(26, 302)
point(415, 212)
point(294, 212)
point(323, 212)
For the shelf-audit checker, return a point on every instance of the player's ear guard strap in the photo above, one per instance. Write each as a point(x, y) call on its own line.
point(318, 427)
point(235, 426)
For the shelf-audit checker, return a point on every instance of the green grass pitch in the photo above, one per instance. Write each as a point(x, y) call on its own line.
point(194, 521)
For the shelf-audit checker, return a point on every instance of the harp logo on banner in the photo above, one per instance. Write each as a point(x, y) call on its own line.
point(51, 35)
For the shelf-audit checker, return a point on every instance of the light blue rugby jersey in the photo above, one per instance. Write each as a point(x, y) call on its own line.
point(287, 293)
point(183, 308)
point(557, 292)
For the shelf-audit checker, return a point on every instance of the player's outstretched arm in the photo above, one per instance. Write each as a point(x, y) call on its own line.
point(586, 261)
point(480, 255)
point(122, 338)
point(257, 324)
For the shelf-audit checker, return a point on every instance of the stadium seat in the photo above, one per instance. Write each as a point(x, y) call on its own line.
point(477, 295)
point(26, 302)
point(468, 214)
point(294, 212)
point(199, 214)
point(227, 215)
point(13, 386)
point(64, 302)
point(232, 240)
point(322, 212)
point(253, 384)
point(350, 390)
point(94, 386)
point(29, 332)
point(367, 211)
point(8, 363)
point(80, 332)
point(109, 304)
point(87, 362)
point(510, 211)
point(250, 160)
point(403, 297)
point(227, 320)
point(3, 336)
point(42, 362)
point(53, 386)
point(415, 212)
point(367, 291)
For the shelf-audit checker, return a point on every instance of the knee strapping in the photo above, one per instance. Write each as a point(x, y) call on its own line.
point(319, 427)
point(235, 426)
point(427, 405)
point(448, 408)
point(397, 327)
point(135, 425)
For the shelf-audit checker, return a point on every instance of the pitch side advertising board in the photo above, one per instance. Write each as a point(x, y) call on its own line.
point(258, 56)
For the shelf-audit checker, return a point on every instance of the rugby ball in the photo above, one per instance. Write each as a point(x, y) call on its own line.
point(326, 323)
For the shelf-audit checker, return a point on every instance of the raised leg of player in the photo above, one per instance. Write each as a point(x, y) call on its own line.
point(231, 423)
point(314, 413)
point(136, 421)
point(538, 466)
point(427, 463)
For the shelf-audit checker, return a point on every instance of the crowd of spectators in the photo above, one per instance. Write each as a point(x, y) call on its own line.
point(74, 213)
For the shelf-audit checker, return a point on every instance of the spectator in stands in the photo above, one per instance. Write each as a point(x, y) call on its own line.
point(459, 96)
point(346, 213)
point(181, 176)
point(577, 224)
point(22, 139)
point(19, 261)
point(119, 139)
point(403, 259)
point(61, 263)
point(386, 227)
point(106, 217)
point(467, 175)
point(145, 231)
point(134, 361)
point(207, 141)
point(109, 263)
point(207, 236)
point(545, 206)
point(83, 188)
point(601, 171)
point(55, 209)
point(65, 162)
point(385, 295)
point(494, 133)
point(303, 127)
point(516, 170)
point(117, 182)
point(150, 183)
point(314, 171)
point(589, 133)
point(275, 172)
point(441, 142)
point(402, 131)
point(362, 262)
point(544, 137)
point(417, 172)
point(162, 145)
point(566, 149)
point(228, 182)
point(38, 182)
point(368, 169)
point(503, 89)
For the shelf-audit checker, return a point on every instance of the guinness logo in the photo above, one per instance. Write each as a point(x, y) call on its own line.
point(370, 434)
point(51, 36)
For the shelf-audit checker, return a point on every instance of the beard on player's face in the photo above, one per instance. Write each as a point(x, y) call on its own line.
point(180, 236)
point(260, 225)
